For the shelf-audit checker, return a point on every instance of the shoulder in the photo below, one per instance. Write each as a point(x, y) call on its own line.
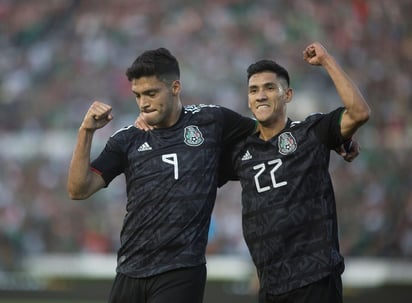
point(197, 108)
point(325, 119)
point(203, 113)
point(125, 138)
point(211, 108)
point(126, 132)
point(319, 115)
point(302, 123)
point(122, 131)
point(313, 118)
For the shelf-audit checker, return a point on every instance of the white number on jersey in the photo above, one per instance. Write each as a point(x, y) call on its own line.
point(172, 159)
point(262, 168)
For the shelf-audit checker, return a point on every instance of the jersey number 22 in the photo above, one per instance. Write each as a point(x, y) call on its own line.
point(261, 168)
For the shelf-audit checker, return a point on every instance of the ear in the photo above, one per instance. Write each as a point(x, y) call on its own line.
point(288, 95)
point(176, 87)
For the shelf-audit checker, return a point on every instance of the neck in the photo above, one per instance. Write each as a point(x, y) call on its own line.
point(177, 112)
point(172, 118)
point(267, 132)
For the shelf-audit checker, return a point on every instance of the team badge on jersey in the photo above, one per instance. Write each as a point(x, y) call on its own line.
point(286, 143)
point(193, 136)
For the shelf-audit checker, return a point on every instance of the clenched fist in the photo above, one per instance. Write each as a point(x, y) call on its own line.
point(315, 54)
point(98, 115)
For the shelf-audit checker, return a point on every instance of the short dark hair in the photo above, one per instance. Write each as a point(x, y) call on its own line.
point(157, 62)
point(268, 66)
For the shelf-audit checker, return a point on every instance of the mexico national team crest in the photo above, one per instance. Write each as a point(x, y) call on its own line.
point(193, 136)
point(286, 143)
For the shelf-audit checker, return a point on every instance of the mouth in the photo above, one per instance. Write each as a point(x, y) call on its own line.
point(147, 111)
point(262, 106)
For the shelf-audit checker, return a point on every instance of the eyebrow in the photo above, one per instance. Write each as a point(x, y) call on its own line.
point(266, 84)
point(147, 91)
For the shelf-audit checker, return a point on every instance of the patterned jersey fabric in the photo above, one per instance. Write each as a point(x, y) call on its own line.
point(171, 178)
point(288, 205)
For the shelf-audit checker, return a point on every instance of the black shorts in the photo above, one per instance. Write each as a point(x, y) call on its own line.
point(326, 290)
point(185, 285)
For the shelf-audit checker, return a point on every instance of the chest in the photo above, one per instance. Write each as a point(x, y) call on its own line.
point(194, 146)
point(282, 162)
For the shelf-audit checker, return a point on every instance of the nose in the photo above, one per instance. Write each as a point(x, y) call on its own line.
point(261, 96)
point(142, 102)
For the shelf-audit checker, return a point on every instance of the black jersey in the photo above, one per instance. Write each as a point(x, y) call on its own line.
point(171, 178)
point(288, 206)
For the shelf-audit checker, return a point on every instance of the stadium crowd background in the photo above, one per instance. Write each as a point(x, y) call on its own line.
point(57, 56)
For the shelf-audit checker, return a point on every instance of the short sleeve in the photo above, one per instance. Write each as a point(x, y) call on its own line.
point(236, 126)
point(111, 161)
point(327, 129)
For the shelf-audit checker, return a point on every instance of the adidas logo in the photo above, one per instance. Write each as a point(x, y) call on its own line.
point(246, 156)
point(144, 147)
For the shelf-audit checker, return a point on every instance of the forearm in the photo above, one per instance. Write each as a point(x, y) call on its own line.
point(357, 110)
point(80, 177)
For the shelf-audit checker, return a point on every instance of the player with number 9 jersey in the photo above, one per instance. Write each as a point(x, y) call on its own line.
point(171, 178)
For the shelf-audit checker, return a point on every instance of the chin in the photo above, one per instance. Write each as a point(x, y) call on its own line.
point(262, 120)
point(151, 119)
point(265, 121)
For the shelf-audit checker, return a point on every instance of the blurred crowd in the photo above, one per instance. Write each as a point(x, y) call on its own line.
point(57, 56)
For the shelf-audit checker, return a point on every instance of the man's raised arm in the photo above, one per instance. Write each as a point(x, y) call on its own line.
point(82, 181)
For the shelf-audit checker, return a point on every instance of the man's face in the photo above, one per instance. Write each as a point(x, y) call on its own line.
point(156, 100)
point(267, 97)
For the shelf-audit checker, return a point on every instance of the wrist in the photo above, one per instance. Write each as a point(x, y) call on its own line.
point(347, 144)
point(86, 129)
point(328, 61)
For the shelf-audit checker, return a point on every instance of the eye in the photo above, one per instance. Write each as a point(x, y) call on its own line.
point(151, 93)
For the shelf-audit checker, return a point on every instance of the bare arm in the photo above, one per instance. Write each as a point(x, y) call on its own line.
point(357, 110)
point(82, 181)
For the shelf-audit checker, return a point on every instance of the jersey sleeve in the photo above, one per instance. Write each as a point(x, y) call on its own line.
point(236, 129)
point(236, 126)
point(328, 129)
point(227, 170)
point(111, 161)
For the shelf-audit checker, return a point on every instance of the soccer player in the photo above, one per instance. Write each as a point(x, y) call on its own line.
point(289, 213)
point(171, 177)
